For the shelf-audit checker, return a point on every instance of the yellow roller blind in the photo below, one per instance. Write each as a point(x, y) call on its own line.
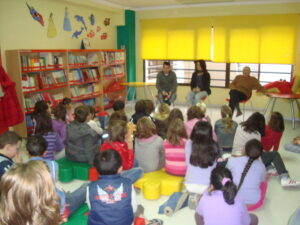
point(176, 38)
point(255, 38)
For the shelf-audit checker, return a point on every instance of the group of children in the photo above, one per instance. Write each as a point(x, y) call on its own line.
point(145, 142)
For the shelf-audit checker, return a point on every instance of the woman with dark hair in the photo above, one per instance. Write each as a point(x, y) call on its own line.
point(254, 128)
point(200, 83)
point(219, 204)
point(44, 127)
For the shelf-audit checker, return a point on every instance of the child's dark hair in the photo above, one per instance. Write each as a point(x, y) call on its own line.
point(40, 107)
point(194, 112)
point(92, 111)
point(108, 162)
point(66, 101)
point(118, 115)
point(174, 114)
point(36, 145)
point(43, 124)
point(149, 106)
point(254, 150)
point(276, 122)
point(9, 138)
point(117, 130)
point(255, 123)
point(221, 179)
point(204, 149)
point(118, 105)
point(140, 106)
point(60, 112)
point(81, 113)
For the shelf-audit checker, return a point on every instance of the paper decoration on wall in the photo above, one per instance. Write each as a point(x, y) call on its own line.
point(98, 28)
point(80, 19)
point(77, 33)
point(85, 43)
point(91, 34)
point(51, 33)
point(103, 36)
point(67, 23)
point(35, 15)
point(92, 19)
point(107, 21)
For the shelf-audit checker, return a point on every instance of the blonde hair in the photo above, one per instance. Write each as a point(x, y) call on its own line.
point(163, 111)
point(28, 196)
point(226, 114)
point(145, 128)
point(176, 132)
point(202, 107)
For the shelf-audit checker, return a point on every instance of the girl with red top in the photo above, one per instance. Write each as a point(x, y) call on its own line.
point(273, 132)
point(122, 141)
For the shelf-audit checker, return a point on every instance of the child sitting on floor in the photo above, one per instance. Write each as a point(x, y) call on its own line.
point(294, 146)
point(249, 173)
point(174, 147)
point(140, 111)
point(174, 114)
point(219, 204)
point(225, 129)
point(82, 140)
point(36, 147)
point(202, 107)
point(66, 102)
point(10, 144)
point(273, 132)
point(55, 145)
point(149, 150)
point(161, 119)
point(118, 106)
point(194, 114)
point(92, 122)
point(59, 124)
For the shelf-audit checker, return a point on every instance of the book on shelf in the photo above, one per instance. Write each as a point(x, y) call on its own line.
point(42, 80)
point(45, 60)
point(84, 75)
point(78, 91)
point(29, 124)
point(114, 70)
point(112, 57)
point(29, 102)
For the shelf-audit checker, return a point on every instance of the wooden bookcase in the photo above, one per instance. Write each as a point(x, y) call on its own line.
point(86, 76)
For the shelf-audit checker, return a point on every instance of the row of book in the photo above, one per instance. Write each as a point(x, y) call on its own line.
point(53, 99)
point(45, 60)
point(78, 91)
point(90, 59)
point(83, 75)
point(29, 124)
point(114, 70)
point(42, 80)
point(112, 57)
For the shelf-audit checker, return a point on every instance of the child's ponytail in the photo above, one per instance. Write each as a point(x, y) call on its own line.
point(226, 113)
point(229, 190)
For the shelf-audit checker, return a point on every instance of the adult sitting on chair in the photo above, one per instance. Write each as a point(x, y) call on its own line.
point(200, 83)
point(166, 84)
point(241, 89)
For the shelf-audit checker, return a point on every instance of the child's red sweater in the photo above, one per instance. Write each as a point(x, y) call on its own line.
point(127, 155)
point(271, 139)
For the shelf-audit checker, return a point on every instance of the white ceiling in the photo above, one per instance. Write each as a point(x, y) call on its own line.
point(149, 4)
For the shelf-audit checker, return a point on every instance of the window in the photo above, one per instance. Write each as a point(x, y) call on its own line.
point(220, 73)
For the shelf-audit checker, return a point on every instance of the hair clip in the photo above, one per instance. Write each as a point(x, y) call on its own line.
point(225, 180)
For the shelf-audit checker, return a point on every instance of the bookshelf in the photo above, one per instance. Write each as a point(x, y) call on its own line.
point(86, 76)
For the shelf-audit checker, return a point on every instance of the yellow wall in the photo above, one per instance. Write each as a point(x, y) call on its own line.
point(18, 30)
point(218, 94)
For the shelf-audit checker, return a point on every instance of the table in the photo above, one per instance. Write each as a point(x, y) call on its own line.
point(291, 97)
point(133, 85)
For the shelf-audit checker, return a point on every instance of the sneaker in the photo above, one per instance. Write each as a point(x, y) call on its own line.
point(155, 222)
point(288, 182)
point(272, 172)
point(193, 200)
point(239, 113)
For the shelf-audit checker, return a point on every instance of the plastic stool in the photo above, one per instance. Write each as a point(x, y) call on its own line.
point(81, 171)
point(93, 174)
point(79, 217)
point(152, 189)
point(65, 173)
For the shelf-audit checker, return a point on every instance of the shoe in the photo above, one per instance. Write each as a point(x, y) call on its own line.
point(288, 182)
point(155, 222)
point(238, 113)
point(193, 200)
point(272, 172)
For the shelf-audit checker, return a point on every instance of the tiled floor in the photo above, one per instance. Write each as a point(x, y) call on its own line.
point(279, 203)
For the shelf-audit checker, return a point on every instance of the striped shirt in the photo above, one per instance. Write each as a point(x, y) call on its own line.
point(55, 145)
point(175, 158)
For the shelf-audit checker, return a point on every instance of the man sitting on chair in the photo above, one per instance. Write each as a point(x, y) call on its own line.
point(241, 89)
point(166, 84)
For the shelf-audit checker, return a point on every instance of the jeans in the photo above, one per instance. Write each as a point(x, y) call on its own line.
point(274, 158)
point(195, 97)
point(292, 148)
point(169, 101)
point(133, 174)
point(76, 198)
point(235, 98)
